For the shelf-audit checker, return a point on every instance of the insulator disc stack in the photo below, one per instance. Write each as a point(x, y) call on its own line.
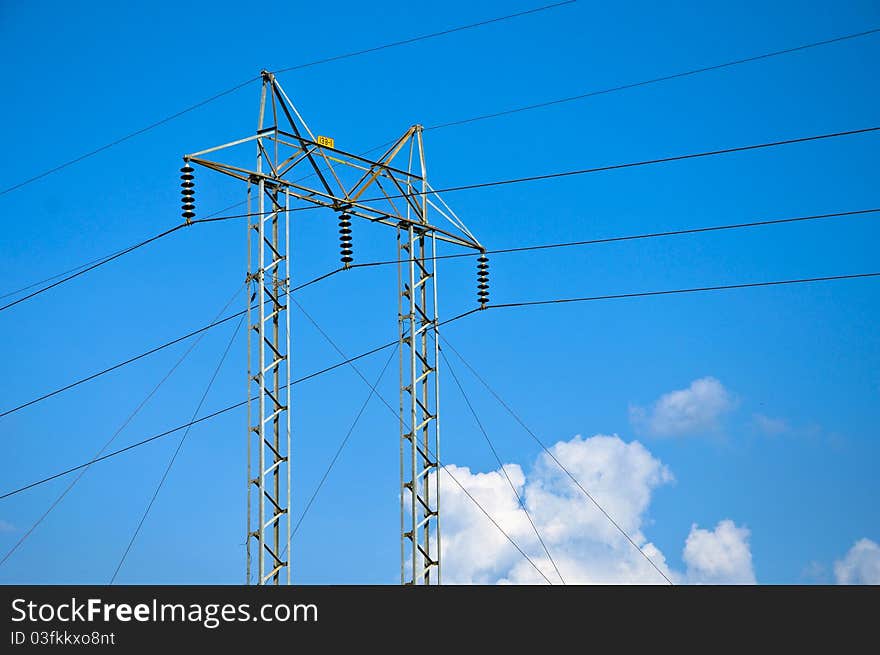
point(187, 199)
point(345, 250)
point(483, 279)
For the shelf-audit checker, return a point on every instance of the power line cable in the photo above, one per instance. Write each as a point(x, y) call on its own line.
point(176, 451)
point(373, 391)
point(393, 343)
point(566, 244)
point(557, 101)
point(120, 451)
point(424, 37)
point(666, 292)
point(128, 136)
point(455, 318)
point(62, 274)
point(552, 456)
point(644, 162)
point(480, 185)
point(151, 351)
point(251, 80)
point(519, 498)
point(342, 445)
point(212, 415)
point(82, 270)
point(634, 237)
point(655, 80)
point(84, 469)
point(633, 85)
point(130, 360)
point(614, 167)
point(117, 253)
point(92, 267)
point(488, 516)
point(546, 103)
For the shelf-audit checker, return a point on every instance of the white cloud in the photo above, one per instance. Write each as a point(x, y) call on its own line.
point(815, 572)
point(719, 556)
point(685, 411)
point(5, 526)
point(584, 544)
point(769, 425)
point(861, 565)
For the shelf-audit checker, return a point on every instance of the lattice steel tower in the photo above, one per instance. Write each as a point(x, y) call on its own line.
point(403, 200)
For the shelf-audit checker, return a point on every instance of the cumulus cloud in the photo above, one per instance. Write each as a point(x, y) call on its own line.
point(685, 411)
point(586, 547)
point(719, 556)
point(861, 564)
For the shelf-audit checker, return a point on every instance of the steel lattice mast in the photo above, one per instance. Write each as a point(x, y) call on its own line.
point(402, 199)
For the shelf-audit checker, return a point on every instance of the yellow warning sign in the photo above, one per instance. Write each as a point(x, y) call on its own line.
point(325, 141)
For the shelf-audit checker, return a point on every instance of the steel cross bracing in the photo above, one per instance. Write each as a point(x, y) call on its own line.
point(382, 191)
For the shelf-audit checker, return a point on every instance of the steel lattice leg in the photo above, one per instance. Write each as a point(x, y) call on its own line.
point(419, 416)
point(269, 346)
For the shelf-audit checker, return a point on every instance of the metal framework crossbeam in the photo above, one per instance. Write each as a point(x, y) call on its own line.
point(383, 191)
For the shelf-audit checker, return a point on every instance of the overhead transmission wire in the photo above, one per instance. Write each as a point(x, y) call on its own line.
point(505, 250)
point(612, 167)
point(553, 175)
point(341, 446)
point(488, 516)
point(548, 103)
point(176, 452)
point(442, 323)
point(634, 237)
point(519, 499)
point(214, 414)
point(655, 80)
point(558, 463)
point(606, 168)
point(120, 451)
point(558, 101)
point(426, 36)
point(467, 187)
point(115, 254)
point(633, 85)
point(130, 360)
point(667, 292)
point(630, 85)
point(151, 351)
point(56, 276)
point(90, 267)
point(373, 391)
point(251, 80)
point(451, 256)
point(83, 469)
point(635, 164)
point(102, 260)
point(98, 263)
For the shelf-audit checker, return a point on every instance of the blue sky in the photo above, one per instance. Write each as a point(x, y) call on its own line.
point(806, 356)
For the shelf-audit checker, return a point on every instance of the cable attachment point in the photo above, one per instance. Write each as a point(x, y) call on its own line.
point(483, 279)
point(187, 191)
point(345, 250)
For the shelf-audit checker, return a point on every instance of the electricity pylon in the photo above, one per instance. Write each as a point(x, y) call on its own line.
point(402, 199)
